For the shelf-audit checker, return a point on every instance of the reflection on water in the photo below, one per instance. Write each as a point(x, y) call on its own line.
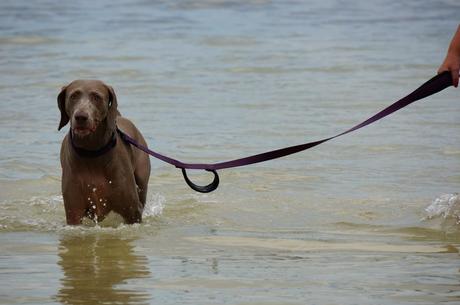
point(96, 267)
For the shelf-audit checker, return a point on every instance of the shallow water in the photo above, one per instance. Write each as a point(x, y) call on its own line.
point(369, 218)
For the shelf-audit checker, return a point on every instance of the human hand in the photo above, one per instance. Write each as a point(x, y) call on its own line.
point(451, 63)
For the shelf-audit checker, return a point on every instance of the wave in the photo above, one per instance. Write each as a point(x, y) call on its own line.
point(46, 214)
point(445, 210)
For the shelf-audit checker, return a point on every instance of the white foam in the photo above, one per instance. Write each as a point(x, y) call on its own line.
point(46, 213)
point(154, 205)
point(446, 206)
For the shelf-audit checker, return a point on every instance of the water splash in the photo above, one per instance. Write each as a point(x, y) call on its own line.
point(154, 206)
point(445, 208)
point(46, 213)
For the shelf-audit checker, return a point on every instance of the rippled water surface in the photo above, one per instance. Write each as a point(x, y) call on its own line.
point(369, 218)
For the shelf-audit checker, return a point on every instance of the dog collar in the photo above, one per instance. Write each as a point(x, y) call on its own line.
point(86, 153)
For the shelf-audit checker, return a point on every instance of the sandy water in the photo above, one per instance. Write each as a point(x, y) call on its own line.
point(370, 218)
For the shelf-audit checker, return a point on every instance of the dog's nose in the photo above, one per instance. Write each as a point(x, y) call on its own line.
point(81, 117)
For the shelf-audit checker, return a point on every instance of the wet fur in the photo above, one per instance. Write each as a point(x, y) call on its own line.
point(116, 181)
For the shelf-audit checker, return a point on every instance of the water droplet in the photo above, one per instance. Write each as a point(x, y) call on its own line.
point(94, 189)
point(110, 181)
point(100, 200)
point(94, 207)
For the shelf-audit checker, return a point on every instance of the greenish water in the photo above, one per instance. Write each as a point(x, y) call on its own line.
point(370, 218)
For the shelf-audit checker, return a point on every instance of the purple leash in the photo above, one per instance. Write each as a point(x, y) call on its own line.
point(432, 86)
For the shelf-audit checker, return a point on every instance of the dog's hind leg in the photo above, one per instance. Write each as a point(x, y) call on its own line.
point(142, 174)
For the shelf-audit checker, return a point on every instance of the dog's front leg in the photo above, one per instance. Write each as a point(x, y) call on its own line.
point(74, 216)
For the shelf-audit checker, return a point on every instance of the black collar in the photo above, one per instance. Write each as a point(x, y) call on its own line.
point(85, 153)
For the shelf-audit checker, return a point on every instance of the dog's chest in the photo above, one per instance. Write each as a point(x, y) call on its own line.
point(99, 194)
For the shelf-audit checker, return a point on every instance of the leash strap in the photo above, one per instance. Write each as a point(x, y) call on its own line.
point(432, 86)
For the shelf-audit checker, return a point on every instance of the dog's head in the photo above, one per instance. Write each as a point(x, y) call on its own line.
point(87, 104)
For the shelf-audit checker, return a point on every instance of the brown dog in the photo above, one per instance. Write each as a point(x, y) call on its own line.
point(100, 173)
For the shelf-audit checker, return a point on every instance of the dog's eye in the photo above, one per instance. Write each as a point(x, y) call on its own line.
point(96, 98)
point(75, 96)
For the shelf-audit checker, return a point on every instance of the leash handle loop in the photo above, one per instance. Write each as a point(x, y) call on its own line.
point(205, 188)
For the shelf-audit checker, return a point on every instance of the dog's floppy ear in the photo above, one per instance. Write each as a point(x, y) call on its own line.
point(61, 104)
point(113, 108)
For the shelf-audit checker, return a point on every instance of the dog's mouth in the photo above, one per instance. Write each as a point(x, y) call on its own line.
point(84, 130)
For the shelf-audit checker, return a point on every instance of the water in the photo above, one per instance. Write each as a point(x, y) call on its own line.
point(370, 218)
